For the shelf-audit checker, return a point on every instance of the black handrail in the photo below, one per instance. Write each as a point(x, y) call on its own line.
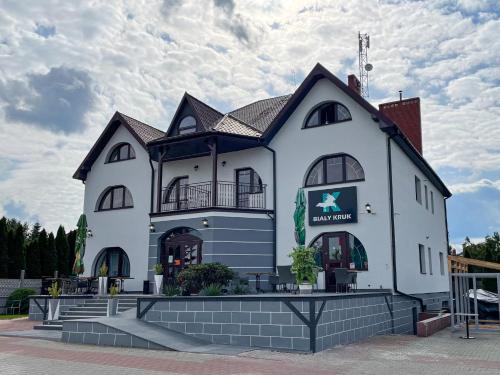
point(199, 195)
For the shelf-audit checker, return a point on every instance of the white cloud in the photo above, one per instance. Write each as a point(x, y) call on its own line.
point(474, 186)
point(234, 53)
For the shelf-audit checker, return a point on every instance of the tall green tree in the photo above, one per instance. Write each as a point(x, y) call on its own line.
point(33, 266)
point(4, 256)
point(51, 254)
point(16, 251)
point(62, 248)
point(43, 247)
point(71, 254)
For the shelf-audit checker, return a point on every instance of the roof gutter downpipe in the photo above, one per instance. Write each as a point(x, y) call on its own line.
point(274, 207)
point(393, 233)
point(152, 182)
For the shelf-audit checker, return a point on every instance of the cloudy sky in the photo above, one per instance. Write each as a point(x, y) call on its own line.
point(67, 66)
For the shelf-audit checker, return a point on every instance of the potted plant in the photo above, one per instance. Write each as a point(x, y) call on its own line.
point(304, 267)
point(113, 301)
point(103, 279)
point(158, 268)
point(55, 293)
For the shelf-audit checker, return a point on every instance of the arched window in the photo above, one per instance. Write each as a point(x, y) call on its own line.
point(328, 113)
point(187, 125)
point(116, 260)
point(114, 198)
point(175, 196)
point(120, 152)
point(334, 169)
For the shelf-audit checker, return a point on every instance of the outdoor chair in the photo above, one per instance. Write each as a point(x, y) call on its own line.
point(352, 280)
point(13, 306)
point(286, 277)
point(341, 279)
point(274, 281)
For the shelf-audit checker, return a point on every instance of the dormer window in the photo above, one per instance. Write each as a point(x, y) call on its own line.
point(328, 113)
point(120, 152)
point(187, 125)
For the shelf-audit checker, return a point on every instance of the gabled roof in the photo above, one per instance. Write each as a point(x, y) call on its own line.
point(385, 124)
point(142, 132)
point(230, 124)
point(206, 116)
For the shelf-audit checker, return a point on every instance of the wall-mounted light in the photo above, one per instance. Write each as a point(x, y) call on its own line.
point(89, 233)
point(223, 163)
point(196, 167)
point(152, 228)
point(368, 208)
point(204, 221)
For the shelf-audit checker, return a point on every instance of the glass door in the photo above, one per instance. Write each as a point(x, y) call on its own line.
point(335, 255)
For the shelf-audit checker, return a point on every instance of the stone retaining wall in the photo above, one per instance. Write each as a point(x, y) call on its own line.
point(7, 286)
point(303, 323)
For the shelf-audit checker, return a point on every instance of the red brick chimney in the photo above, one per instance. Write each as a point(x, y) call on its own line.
point(406, 114)
point(353, 83)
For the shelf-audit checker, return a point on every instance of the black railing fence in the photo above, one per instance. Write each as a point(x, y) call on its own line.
point(199, 195)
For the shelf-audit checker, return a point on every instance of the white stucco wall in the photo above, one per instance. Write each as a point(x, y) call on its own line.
point(297, 148)
point(126, 228)
point(259, 159)
point(414, 224)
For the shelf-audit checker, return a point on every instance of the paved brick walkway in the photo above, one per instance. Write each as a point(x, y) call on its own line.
point(443, 353)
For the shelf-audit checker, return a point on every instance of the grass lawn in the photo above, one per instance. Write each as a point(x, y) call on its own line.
point(8, 317)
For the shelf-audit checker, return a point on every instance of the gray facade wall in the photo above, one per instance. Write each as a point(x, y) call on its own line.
point(245, 244)
point(284, 322)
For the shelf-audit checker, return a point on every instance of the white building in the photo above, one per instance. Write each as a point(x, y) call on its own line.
point(221, 188)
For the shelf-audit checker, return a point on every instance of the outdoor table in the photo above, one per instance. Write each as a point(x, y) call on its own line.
point(467, 336)
point(88, 279)
point(257, 278)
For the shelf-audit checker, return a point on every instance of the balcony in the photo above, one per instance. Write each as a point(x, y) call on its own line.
point(206, 195)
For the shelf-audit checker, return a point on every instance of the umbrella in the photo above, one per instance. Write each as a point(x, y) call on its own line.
point(81, 236)
point(298, 217)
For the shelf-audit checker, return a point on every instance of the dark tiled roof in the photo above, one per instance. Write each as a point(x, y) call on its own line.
point(260, 114)
point(229, 124)
point(208, 116)
point(145, 132)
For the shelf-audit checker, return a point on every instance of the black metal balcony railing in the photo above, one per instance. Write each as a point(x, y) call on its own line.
point(199, 195)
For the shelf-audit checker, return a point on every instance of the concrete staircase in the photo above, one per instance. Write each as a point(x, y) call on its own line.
point(89, 308)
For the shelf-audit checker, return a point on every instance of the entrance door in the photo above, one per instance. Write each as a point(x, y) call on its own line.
point(179, 252)
point(335, 255)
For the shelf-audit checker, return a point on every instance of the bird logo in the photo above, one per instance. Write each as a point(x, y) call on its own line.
point(330, 202)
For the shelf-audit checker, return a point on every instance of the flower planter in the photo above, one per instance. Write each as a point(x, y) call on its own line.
point(103, 286)
point(158, 283)
point(305, 288)
point(53, 309)
point(112, 306)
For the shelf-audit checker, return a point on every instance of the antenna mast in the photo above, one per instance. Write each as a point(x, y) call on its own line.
point(364, 65)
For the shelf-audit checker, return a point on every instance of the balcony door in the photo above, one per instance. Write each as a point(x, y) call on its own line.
point(248, 182)
point(176, 195)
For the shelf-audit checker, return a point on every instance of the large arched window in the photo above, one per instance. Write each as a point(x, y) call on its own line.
point(334, 169)
point(116, 260)
point(120, 152)
point(115, 197)
point(187, 125)
point(326, 114)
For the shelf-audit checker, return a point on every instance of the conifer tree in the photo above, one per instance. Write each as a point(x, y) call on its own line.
point(44, 253)
point(62, 248)
point(71, 254)
point(16, 252)
point(4, 257)
point(51, 254)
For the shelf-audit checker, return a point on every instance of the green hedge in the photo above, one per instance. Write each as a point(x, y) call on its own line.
point(196, 277)
point(21, 294)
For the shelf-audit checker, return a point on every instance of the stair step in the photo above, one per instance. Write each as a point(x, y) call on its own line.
point(75, 317)
point(82, 313)
point(51, 322)
point(49, 327)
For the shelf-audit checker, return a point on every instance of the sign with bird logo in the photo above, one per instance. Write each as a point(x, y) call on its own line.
point(333, 206)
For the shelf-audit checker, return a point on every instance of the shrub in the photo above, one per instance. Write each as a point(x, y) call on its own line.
point(303, 264)
point(171, 290)
point(54, 290)
point(240, 289)
point(211, 290)
point(21, 294)
point(196, 277)
point(158, 268)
